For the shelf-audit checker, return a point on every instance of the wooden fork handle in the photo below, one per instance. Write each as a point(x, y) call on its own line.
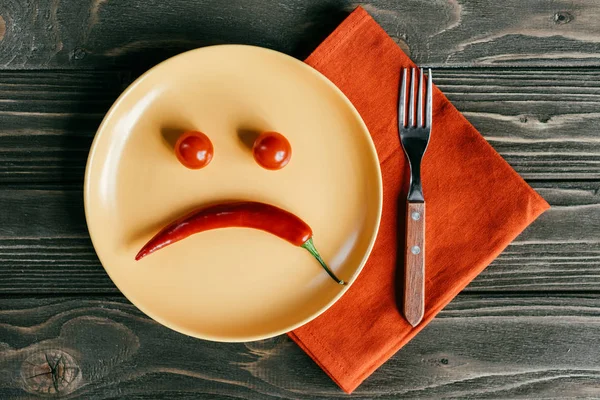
point(414, 263)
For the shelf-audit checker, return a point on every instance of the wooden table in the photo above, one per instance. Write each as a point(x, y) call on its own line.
point(524, 72)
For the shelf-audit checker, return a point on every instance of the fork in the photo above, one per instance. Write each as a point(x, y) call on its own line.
point(414, 136)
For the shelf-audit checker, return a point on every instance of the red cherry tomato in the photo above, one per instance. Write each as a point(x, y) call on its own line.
point(272, 150)
point(194, 149)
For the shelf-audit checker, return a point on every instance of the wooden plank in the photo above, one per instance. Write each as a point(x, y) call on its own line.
point(542, 122)
point(52, 253)
point(48, 121)
point(478, 347)
point(140, 33)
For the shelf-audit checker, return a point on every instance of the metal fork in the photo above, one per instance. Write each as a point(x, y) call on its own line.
point(414, 137)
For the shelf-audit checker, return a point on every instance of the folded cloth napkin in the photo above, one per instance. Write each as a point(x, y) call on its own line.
point(476, 205)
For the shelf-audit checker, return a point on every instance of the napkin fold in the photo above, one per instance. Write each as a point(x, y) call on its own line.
point(476, 205)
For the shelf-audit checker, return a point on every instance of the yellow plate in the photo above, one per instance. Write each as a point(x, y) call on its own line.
point(232, 284)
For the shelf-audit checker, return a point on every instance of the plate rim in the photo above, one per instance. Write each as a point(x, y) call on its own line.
point(250, 338)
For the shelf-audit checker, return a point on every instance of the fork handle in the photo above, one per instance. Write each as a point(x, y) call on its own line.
point(414, 263)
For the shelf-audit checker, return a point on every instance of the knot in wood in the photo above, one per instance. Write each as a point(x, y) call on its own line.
point(79, 54)
point(50, 372)
point(562, 17)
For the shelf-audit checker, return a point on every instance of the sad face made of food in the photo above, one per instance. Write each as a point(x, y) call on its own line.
point(272, 151)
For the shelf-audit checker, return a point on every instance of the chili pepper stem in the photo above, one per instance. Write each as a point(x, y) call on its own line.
point(310, 246)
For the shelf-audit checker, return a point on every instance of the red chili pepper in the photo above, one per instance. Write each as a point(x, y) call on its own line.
point(246, 214)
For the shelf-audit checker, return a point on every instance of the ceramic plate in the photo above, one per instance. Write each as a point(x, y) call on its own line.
point(232, 284)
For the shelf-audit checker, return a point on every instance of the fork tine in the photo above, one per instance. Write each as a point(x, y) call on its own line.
point(420, 121)
point(402, 101)
point(411, 100)
point(429, 99)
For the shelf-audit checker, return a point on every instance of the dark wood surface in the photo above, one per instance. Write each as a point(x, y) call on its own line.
point(138, 33)
point(45, 246)
point(526, 73)
point(478, 347)
point(543, 122)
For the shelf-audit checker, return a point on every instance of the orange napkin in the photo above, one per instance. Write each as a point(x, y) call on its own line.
point(476, 205)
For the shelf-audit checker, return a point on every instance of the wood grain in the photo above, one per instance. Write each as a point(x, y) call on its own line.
point(45, 248)
point(414, 264)
point(98, 33)
point(478, 347)
point(48, 122)
point(542, 122)
point(488, 343)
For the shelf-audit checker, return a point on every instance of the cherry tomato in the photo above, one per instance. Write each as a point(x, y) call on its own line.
point(194, 149)
point(272, 150)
